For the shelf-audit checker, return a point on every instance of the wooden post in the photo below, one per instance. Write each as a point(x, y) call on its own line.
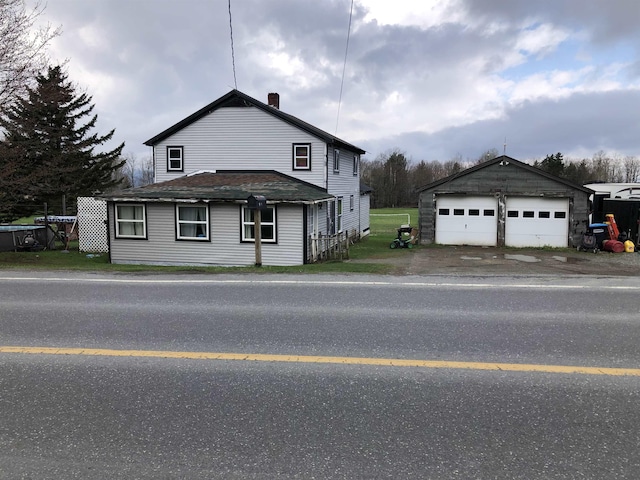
point(257, 225)
point(256, 203)
point(46, 227)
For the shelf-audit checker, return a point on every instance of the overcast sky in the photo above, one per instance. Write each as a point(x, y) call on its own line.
point(434, 79)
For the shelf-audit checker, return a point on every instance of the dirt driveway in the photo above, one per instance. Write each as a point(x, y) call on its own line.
point(483, 261)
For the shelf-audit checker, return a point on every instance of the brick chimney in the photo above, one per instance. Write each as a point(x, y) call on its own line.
point(273, 99)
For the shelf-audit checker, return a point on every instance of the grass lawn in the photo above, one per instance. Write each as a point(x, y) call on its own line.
point(384, 223)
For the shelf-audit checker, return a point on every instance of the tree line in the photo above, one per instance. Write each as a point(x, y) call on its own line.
point(396, 181)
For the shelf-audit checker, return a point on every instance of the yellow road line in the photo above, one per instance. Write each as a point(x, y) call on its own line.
point(389, 362)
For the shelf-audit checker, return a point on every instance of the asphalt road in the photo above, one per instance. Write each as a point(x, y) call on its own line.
point(88, 414)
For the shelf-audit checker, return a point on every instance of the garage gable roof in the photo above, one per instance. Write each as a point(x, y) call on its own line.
point(505, 160)
point(226, 186)
point(236, 98)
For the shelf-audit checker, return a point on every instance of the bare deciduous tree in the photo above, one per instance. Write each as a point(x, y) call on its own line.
point(22, 47)
point(631, 169)
point(146, 171)
point(135, 172)
point(126, 174)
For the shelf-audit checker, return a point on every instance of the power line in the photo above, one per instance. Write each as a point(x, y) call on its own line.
point(344, 67)
point(233, 57)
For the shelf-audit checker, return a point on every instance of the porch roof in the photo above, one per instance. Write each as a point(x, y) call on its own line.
point(226, 186)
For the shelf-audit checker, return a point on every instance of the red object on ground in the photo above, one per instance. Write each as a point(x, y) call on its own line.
point(614, 233)
point(613, 246)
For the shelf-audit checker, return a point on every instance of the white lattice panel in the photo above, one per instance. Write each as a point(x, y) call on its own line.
point(92, 225)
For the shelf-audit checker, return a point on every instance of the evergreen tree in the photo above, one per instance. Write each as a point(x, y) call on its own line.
point(49, 148)
point(554, 164)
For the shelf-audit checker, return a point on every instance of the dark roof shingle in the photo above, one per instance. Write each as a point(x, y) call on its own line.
point(226, 186)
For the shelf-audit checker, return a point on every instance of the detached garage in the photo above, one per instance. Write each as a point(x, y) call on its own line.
point(503, 202)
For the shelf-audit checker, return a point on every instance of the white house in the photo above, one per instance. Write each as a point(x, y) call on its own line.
point(208, 164)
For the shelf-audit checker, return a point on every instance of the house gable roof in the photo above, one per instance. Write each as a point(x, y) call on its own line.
point(226, 186)
point(236, 98)
point(509, 161)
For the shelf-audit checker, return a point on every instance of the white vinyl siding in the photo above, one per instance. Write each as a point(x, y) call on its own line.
point(364, 207)
point(225, 246)
point(345, 186)
point(242, 138)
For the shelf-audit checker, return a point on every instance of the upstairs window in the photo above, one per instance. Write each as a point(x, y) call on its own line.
point(175, 159)
point(131, 221)
point(355, 164)
point(336, 161)
point(192, 222)
point(301, 156)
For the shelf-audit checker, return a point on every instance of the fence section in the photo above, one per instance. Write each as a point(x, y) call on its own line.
point(92, 225)
point(331, 247)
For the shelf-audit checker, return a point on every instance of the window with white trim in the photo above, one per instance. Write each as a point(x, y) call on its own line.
point(267, 224)
point(336, 161)
point(355, 164)
point(302, 156)
point(131, 221)
point(175, 159)
point(192, 222)
point(339, 215)
point(351, 203)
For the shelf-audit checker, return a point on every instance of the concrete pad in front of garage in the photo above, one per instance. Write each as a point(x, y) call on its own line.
point(468, 260)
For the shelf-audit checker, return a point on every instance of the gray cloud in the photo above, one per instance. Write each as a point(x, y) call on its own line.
point(587, 123)
point(433, 92)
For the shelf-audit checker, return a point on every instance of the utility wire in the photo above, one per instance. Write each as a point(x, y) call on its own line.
point(344, 67)
point(233, 57)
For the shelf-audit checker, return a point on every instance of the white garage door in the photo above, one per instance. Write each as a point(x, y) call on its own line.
point(467, 221)
point(537, 222)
